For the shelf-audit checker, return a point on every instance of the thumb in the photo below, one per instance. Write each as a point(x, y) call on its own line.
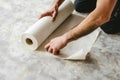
point(44, 14)
point(54, 15)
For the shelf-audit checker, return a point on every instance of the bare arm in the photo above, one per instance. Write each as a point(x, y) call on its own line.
point(58, 2)
point(99, 16)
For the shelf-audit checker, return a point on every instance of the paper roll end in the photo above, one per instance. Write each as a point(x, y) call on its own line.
point(29, 41)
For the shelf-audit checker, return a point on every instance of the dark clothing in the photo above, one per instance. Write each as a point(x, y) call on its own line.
point(112, 26)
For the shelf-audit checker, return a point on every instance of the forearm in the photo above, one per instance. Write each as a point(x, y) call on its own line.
point(57, 3)
point(85, 27)
point(96, 18)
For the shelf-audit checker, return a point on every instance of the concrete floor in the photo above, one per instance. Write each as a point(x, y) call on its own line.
point(19, 63)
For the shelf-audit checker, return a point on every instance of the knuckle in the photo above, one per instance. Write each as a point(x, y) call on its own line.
point(52, 40)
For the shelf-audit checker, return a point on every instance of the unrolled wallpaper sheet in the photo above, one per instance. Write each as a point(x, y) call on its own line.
point(78, 49)
point(39, 32)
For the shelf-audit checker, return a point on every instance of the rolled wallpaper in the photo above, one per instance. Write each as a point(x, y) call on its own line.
point(38, 32)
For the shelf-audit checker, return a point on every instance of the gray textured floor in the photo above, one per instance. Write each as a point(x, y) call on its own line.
point(19, 63)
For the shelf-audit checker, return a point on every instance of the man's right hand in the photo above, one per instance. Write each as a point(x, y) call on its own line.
point(53, 11)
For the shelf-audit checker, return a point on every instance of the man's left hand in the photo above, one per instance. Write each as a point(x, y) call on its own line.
point(56, 44)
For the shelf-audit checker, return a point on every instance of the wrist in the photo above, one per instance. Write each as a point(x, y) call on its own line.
point(68, 37)
point(57, 3)
point(55, 6)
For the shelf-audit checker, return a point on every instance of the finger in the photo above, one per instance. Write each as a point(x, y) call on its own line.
point(54, 15)
point(40, 16)
point(50, 50)
point(45, 14)
point(55, 51)
point(47, 46)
